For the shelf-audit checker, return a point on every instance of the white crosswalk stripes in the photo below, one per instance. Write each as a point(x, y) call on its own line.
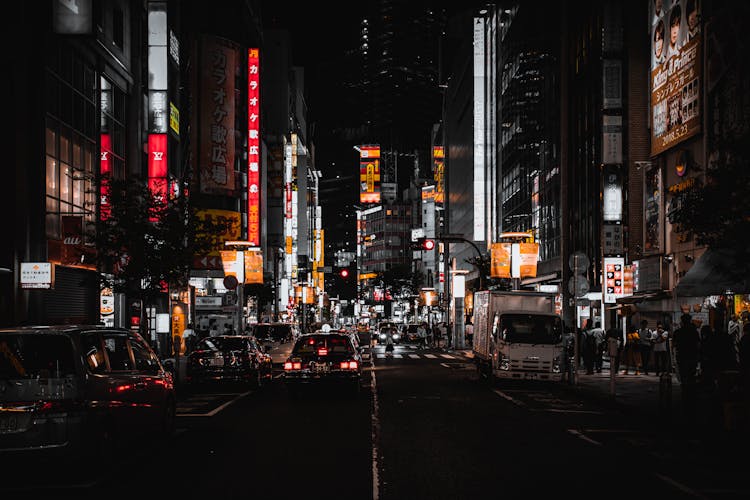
point(403, 352)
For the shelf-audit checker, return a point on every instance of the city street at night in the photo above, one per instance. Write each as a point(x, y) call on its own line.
point(393, 249)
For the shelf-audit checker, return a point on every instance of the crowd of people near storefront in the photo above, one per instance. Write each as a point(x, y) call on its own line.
point(715, 360)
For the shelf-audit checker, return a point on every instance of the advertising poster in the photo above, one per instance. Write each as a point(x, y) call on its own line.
point(675, 72)
point(438, 168)
point(500, 260)
point(652, 211)
point(614, 279)
point(369, 174)
point(217, 110)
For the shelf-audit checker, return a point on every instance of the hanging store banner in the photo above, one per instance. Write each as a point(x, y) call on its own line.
point(253, 266)
point(217, 116)
point(253, 146)
point(500, 260)
point(369, 174)
point(229, 227)
point(611, 139)
point(529, 255)
point(438, 169)
point(675, 73)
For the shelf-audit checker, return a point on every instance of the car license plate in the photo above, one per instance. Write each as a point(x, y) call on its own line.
point(217, 362)
point(320, 368)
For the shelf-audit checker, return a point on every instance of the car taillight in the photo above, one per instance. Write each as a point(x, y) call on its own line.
point(348, 365)
point(322, 351)
point(289, 365)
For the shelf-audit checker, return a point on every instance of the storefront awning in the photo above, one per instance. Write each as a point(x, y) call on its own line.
point(716, 272)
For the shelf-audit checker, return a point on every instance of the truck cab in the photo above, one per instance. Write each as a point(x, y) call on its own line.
point(518, 335)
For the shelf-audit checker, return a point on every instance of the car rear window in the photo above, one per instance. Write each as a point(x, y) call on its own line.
point(222, 344)
point(26, 356)
point(275, 332)
point(334, 344)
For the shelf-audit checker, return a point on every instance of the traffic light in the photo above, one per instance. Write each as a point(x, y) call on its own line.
point(344, 273)
point(423, 244)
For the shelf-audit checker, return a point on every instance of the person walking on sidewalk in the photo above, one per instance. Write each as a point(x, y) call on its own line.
point(600, 343)
point(632, 352)
point(733, 328)
point(661, 360)
point(645, 345)
point(686, 342)
point(588, 346)
point(615, 333)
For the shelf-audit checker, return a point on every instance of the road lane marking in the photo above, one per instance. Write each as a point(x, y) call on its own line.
point(414, 356)
point(445, 365)
point(375, 433)
point(680, 486)
point(431, 356)
point(560, 410)
point(584, 437)
point(509, 398)
point(216, 410)
point(447, 356)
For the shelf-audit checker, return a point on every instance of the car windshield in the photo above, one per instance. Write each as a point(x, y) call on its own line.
point(26, 356)
point(275, 332)
point(530, 329)
point(222, 344)
point(334, 343)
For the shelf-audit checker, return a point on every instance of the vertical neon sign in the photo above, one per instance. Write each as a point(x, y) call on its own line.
point(157, 170)
point(105, 171)
point(253, 146)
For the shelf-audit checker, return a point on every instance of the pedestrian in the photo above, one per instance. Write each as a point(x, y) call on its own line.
point(213, 329)
point(707, 358)
point(389, 347)
point(645, 345)
point(436, 336)
point(588, 346)
point(599, 346)
point(733, 329)
point(614, 332)
point(188, 338)
point(228, 329)
point(744, 357)
point(421, 336)
point(661, 360)
point(686, 342)
point(631, 352)
point(469, 333)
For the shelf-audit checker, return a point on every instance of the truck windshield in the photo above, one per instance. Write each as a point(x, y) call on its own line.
point(530, 329)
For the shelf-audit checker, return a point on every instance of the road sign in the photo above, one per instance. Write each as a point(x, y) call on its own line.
point(578, 285)
point(230, 282)
point(578, 262)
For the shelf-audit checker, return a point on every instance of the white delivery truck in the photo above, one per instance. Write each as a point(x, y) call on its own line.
point(518, 335)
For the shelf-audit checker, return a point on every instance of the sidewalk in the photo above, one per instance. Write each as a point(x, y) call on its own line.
point(649, 399)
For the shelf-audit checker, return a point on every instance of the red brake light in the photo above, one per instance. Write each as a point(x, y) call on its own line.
point(288, 365)
point(297, 365)
point(322, 351)
point(348, 365)
point(352, 365)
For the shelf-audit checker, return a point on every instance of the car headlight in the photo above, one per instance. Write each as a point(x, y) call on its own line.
point(396, 336)
point(382, 336)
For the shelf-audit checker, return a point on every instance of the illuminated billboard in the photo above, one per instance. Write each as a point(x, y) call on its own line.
point(438, 169)
point(675, 72)
point(217, 116)
point(253, 146)
point(369, 174)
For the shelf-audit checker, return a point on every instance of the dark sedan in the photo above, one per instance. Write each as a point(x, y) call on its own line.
point(229, 358)
point(320, 358)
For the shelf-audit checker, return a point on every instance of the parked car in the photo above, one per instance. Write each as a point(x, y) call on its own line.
point(78, 391)
point(323, 358)
point(229, 358)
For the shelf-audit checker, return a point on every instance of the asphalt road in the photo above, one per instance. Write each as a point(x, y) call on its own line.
point(423, 426)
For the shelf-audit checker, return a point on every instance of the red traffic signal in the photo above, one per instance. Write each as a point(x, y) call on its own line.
point(427, 244)
point(344, 273)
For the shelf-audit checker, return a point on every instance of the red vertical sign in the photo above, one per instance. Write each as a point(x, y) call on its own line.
point(253, 146)
point(157, 169)
point(105, 171)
